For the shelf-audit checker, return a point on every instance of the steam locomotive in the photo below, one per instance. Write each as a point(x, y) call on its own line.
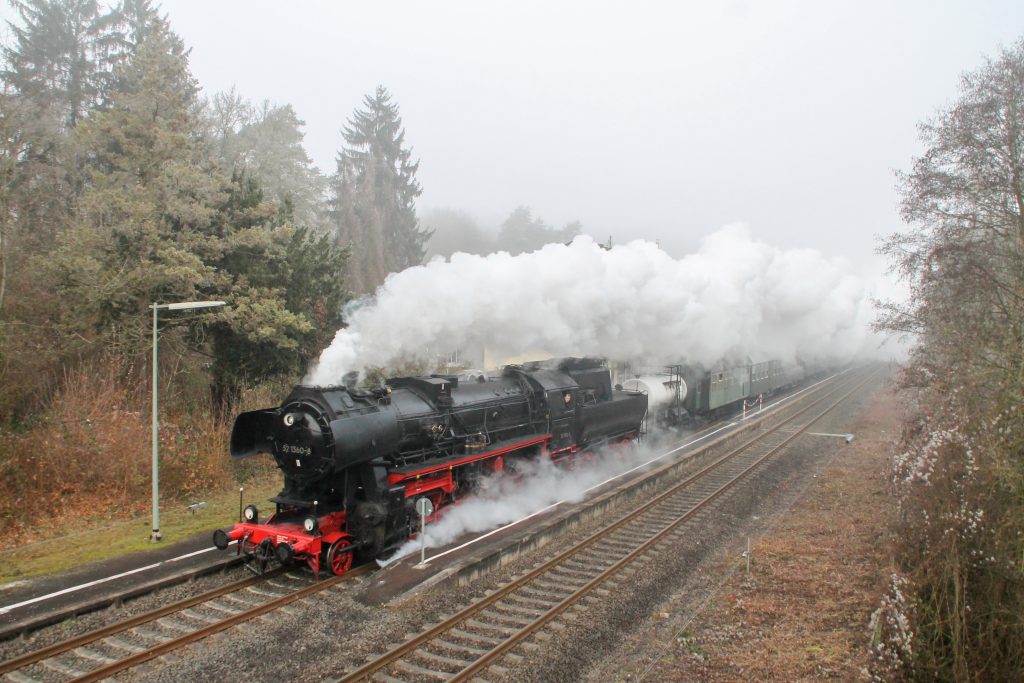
point(355, 462)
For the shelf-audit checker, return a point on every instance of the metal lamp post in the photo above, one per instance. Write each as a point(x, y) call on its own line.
point(184, 306)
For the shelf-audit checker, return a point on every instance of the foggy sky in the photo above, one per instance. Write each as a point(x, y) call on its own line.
point(661, 120)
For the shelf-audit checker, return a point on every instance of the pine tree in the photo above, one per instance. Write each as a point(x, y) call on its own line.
point(62, 54)
point(135, 19)
point(286, 292)
point(145, 224)
point(157, 222)
point(373, 207)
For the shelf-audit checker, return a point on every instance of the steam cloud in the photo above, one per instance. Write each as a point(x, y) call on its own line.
point(735, 296)
point(536, 485)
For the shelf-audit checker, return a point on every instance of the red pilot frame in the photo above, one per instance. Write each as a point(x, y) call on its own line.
point(287, 537)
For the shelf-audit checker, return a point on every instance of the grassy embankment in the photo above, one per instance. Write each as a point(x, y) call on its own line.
point(99, 540)
point(75, 483)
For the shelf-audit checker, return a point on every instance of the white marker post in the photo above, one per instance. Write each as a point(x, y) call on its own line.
point(425, 508)
point(845, 437)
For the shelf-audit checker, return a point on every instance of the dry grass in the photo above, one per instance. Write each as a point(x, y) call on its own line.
point(803, 611)
point(86, 462)
point(97, 540)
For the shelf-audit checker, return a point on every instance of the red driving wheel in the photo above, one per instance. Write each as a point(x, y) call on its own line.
point(339, 557)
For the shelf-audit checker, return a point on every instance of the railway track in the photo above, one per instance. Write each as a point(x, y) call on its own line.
point(106, 651)
point(471, 642)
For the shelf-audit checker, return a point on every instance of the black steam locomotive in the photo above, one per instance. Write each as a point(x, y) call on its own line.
point(355, 462)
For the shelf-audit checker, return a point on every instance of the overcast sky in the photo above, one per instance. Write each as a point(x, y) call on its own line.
point(663, 120)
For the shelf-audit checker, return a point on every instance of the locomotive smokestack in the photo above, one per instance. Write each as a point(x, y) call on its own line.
point(350, 380)
point(253, 433)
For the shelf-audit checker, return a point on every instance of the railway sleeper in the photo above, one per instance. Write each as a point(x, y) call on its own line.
point(404, 666)
point(614, 553)
point(147, 632)
point(199, 616)
point(243, 601)
point(386, 678)
point(500, 630)
point(528, 646)
point(513, 619)
point(657, 525)
point(561, 587)
point(618, 541)
point(119, 643)
point(513, 608)
point(587, 562)
point(172, 624)
point(451, 642)
point(664, 517)
point(679, 513)
point(92, 655)
point(536, 592)
point(580, 576)
point(221, 607)
point(498, 673)
point(21, 677)
point(62, 666)
point(259, 590)
point(542, 635)
point(474, 640)
point(441, 662)
point(530, 602)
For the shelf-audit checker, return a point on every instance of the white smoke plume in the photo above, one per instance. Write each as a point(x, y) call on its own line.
point(735, 296)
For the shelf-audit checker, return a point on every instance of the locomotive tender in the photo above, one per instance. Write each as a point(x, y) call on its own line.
point(354, 462)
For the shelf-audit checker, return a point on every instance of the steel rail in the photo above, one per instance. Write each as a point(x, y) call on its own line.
point(57, 648)
point(206, 631)
point(413, 644)
point(487, 659)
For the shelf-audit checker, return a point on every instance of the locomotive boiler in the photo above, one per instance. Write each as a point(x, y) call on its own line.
point(355, 461)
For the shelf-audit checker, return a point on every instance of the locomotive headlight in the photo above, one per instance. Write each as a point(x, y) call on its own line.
point(251, 514)
point(289, 420)
point(310, 524)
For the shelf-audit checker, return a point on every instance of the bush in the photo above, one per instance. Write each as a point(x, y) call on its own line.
point(90, 455)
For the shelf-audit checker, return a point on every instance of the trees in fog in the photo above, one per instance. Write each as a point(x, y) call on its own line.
point(961, 475)
point(62, 55)
point(266, 142)
point(522, 232)
point(373, 203)
point(453, 230)
point(120, 195)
